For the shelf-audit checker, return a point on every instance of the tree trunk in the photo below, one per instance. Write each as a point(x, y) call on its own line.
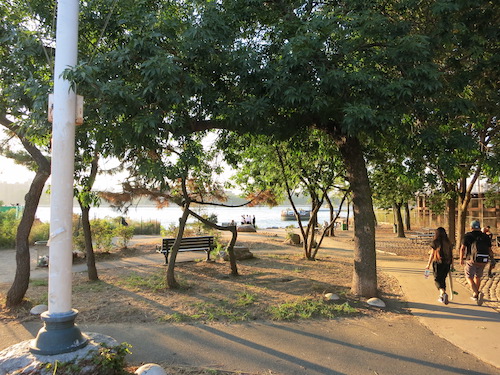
point(87, 233)
point(348, 215)
point(230, 250)
point(230, 247)
point(19, 287)
point(331, 230)
point(89, 249)
point(465, 191)
point(365, 265)
point(330, 225)
point(407, 216)
point(399, 219)
point(171, 282)
point(451, 208)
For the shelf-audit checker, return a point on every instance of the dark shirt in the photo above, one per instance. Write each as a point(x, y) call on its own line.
point(476, 235)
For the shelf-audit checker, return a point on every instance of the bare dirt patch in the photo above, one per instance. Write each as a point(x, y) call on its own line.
point(277, 275)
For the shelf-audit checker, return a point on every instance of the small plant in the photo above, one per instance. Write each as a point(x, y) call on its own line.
point(216, 251)
point(221, 310)
point(102, 234)
point(245, 299)
point(171, 231)
point(39, 232)
point(105, 361)
point(124, 234)
point(112, 360)
point(306, 308)
point(175, 317)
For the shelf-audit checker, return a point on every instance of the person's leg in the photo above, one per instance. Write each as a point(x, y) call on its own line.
point(477, 282)
point(470, 274)
point(440, 273)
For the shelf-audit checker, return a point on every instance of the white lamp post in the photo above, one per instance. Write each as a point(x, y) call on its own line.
point(59, 334)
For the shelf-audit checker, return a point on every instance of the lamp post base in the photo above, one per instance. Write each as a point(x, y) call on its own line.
point(58, 335)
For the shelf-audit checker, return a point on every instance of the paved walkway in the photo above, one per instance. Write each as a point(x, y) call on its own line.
point(345, 346)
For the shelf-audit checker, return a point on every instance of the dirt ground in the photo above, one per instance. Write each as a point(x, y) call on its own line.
point(277, 275)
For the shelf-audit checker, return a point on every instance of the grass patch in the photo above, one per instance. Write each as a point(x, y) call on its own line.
point(41, 299)
point(91, 286)
point(175, 318)
point(210, 312)
point(153, 282)
point(245, 299)
point(37, 282)
point(306, 308)
point(220, 311)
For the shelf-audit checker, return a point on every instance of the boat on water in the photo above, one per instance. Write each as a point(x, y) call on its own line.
point(289, 214)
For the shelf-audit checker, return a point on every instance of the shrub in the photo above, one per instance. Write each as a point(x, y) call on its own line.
point(102, 234)
point(8, 228)
point(173, 229)
point(124, 234)
point(145, 227)
point(40, 231)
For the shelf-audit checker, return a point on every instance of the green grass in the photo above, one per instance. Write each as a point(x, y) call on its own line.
point(34, 283)
point(91, 286)
point(154, 282)
point(41, 299)
point(245, 299)
point(223, 310)
point(175, 317)
point(306, 308)
point(213, 311)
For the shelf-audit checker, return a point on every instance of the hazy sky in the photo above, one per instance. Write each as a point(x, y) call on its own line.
point(11, 172)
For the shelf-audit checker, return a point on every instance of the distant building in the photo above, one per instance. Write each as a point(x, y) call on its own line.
point(487, 214)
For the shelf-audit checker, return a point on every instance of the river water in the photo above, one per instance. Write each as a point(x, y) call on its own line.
point(265, 217)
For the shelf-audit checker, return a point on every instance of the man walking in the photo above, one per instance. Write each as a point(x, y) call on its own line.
point(475, 252)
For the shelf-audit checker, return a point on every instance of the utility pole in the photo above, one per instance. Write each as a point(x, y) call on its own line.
point(60, 334)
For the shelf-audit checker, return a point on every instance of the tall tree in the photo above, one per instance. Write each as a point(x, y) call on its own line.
point(349, 69)
point(25, 66)
point(307, 163)
point(458, 128)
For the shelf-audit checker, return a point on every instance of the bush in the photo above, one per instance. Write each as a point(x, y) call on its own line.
point(8, 228)
point(102, 234)
point(40, 231)
point(124, 234)
point(145, 227)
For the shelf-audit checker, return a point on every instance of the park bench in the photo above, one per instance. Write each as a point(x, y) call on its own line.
point(203, 243)
point(421, 237)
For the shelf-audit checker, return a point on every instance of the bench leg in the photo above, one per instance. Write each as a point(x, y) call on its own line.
point(166, 257)
point(208, 255)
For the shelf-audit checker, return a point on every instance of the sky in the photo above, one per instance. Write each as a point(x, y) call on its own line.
point(14, 173)
point(11, 172)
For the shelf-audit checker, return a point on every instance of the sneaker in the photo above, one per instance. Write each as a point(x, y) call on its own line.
point(480, 297)
point(440, 299)
point(445, 298)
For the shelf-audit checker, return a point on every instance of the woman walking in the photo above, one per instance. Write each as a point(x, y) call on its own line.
point(441, 259)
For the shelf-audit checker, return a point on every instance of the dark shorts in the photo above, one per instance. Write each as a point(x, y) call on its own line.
point(473, 269)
